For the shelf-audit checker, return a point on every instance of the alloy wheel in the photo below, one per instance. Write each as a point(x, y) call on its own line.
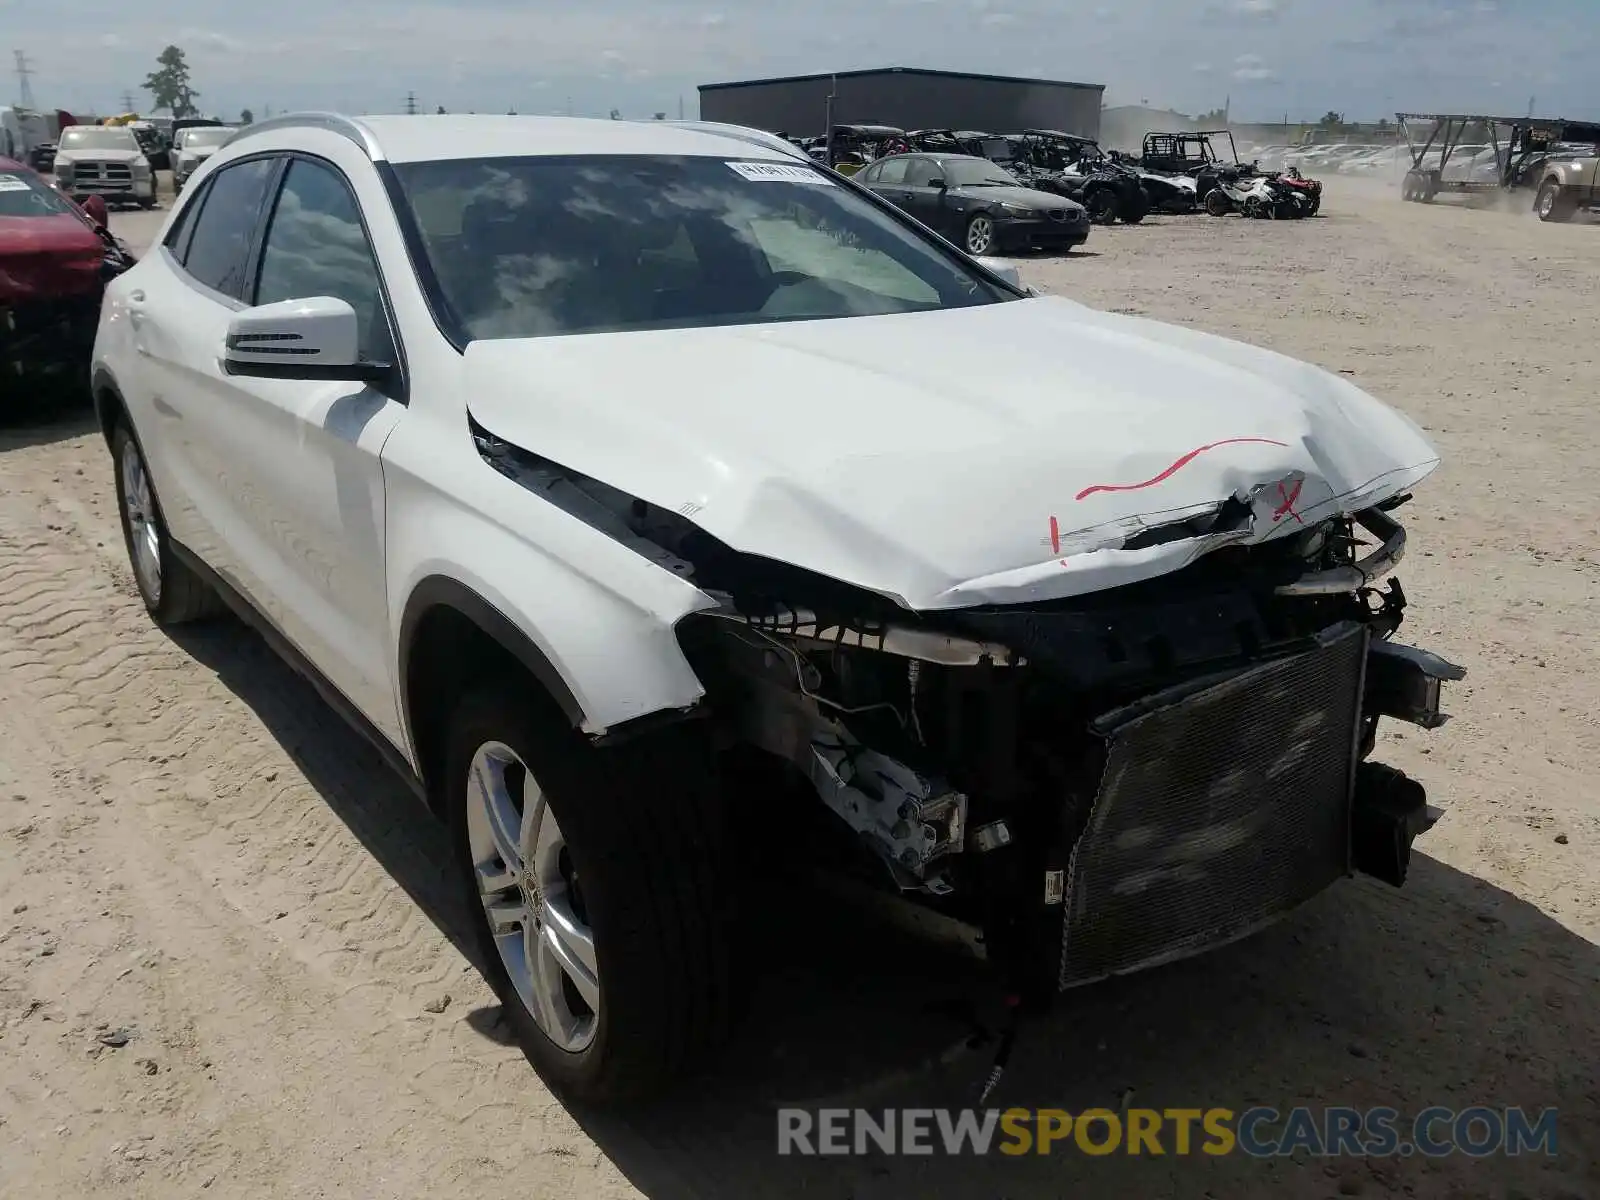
point(144, 530)
point(980, 235)
point(531, 898)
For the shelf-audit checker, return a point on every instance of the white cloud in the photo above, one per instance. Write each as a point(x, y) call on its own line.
point(210, 39)
point(1257, 8)
point(998, 18)
point(1249, 68)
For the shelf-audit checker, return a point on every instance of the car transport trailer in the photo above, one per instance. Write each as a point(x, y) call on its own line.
point(1512, 150)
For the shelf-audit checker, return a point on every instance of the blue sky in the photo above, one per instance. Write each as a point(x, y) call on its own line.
point(1302, 57)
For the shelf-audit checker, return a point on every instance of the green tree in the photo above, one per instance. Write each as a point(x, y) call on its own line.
point(169, 86)
point(1332, 120)
point(1215, 117)
point(246, 117)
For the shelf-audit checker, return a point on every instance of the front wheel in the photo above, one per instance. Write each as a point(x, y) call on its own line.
point(596, 877)
point(1102, 205)
point(1217, 203)
point(1553, 204)
point(980, 234)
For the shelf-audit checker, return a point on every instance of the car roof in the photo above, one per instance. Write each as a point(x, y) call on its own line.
point(427, 138)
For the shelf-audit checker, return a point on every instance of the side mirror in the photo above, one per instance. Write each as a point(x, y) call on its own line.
point(316, 338)
point(94, 207)
point(937, 183)
point(1004, 268)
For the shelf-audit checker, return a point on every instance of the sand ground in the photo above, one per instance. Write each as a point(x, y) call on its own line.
point(229, 965)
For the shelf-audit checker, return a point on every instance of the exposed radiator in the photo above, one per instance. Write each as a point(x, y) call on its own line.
point(1224, 804)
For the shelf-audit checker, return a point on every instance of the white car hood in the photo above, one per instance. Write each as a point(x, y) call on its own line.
point(997, 454)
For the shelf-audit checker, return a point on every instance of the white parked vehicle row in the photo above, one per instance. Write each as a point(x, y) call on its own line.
point(579, 461)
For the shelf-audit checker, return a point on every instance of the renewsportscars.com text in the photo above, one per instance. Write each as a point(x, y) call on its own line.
point(1258, 1132)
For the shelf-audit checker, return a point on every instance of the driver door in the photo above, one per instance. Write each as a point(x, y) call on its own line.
point(927, 204)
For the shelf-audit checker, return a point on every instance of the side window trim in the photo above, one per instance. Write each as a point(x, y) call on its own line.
point(187, 219)
point(198, 204)
point(258, 239)
point(258, 234)
point(258, 249)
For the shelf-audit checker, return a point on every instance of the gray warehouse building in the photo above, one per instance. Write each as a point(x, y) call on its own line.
point(908, 98)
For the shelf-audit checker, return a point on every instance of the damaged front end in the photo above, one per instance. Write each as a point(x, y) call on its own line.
point(1100, 783)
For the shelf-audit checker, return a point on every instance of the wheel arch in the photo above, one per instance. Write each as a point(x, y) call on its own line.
point(109, 406)
point(451, 637)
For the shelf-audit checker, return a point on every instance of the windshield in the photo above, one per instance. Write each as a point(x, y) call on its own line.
point(93, 137)
point(534, 247)
point(207, 136)
point(28, 196)
point(975, 172)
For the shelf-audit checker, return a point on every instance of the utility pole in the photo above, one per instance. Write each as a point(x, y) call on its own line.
point(24, 80)
point(411, 104)
point(680, 107)
point(127, 101)
point(569, 106)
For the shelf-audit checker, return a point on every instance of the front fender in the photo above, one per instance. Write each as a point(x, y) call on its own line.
point(598, 613)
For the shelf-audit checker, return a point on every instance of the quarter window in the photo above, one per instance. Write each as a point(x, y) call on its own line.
point(316, 246)
point(230, 209)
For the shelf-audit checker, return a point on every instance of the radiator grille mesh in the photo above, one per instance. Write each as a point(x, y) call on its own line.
point(1220, 807)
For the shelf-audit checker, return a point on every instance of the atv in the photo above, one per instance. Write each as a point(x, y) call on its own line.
point(1075, 167)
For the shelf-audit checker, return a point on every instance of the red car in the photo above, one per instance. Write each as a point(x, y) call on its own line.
point(55, 257)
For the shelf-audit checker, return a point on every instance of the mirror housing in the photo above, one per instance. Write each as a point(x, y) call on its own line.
point(1004, 268)
point(94, 207)
point(315, 338)
point(938, 183)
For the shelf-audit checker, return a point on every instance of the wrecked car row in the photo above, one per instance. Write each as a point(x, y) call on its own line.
point(56, 256)
point(1175, 173)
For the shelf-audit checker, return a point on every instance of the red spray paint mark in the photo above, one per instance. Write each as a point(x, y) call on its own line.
point(1287, 507)
point(1055, 535)
point(1175, 467)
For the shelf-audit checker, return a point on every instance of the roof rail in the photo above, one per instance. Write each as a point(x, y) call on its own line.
point(345, 127)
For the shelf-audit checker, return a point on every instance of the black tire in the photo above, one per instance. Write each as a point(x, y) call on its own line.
point(1102, 205)
point(1217, 203)
point(177, 595)
point(147, 205)
point(1553, 204)
point(644, 827)
point(1135, 205)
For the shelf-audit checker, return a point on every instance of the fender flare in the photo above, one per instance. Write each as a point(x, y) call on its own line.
point(436, 591)
point(102, 384)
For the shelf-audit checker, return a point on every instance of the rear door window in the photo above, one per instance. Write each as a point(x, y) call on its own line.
point(219, 248)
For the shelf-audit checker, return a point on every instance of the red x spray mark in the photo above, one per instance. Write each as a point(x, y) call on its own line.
point(1288, 496)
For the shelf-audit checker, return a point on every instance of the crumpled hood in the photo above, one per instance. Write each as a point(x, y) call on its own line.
point(53, 255)
point(996, 454)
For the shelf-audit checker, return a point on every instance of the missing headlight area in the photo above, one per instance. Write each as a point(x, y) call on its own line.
point(1098, 784)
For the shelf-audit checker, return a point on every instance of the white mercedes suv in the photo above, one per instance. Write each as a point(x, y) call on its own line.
point(659, 501)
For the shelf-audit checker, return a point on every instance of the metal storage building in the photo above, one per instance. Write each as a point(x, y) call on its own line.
point(907, 97)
